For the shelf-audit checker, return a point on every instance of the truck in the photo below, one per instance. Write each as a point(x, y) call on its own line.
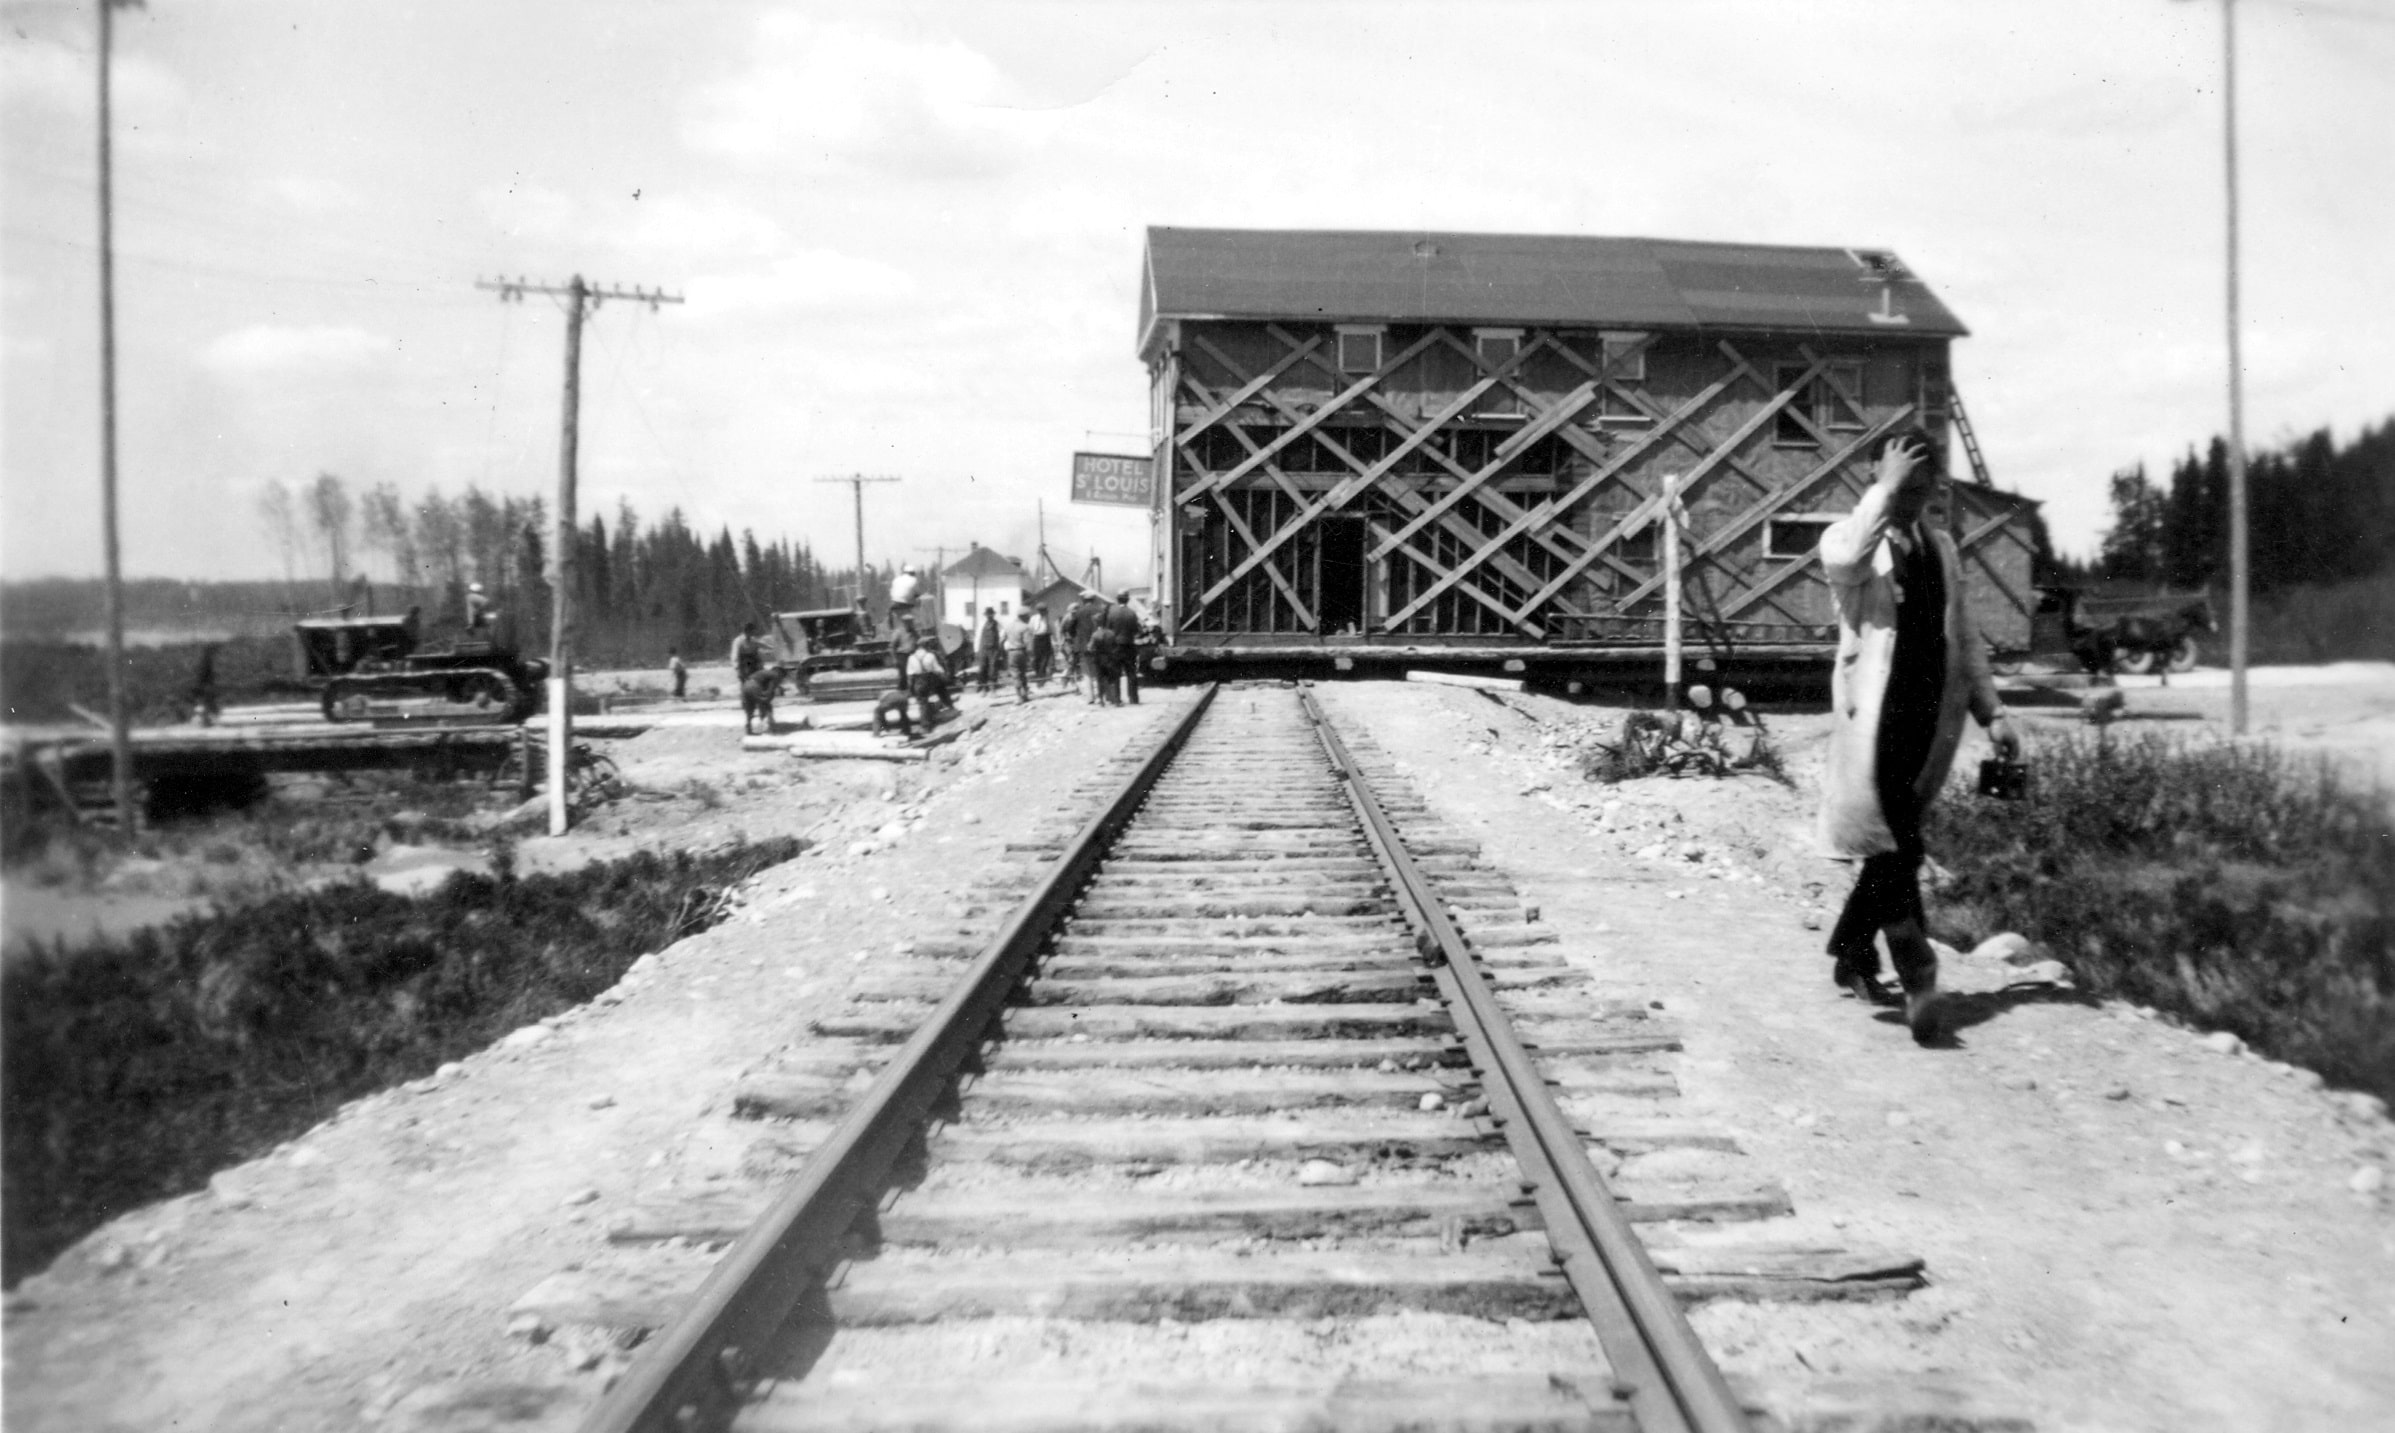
point(2115, 632)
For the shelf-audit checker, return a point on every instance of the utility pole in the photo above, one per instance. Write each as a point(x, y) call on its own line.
point(939, 578)
point(2240, 615)
point(580, 297)
point(858, 481)
point(120, 731)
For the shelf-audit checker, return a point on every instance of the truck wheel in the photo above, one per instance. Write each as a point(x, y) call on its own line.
point(2136, 661)
point(2183, 655)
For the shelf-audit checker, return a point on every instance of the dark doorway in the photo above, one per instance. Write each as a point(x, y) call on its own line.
point(1340, 574)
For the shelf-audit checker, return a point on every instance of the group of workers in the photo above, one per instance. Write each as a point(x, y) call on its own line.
point(1096, 645)
point(1101, 645)
point(1097, 640)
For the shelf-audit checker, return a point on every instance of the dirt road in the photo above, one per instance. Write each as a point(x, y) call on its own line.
point(2124, 1227)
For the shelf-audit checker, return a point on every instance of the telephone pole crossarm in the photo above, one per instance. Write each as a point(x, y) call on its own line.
point(581, 297)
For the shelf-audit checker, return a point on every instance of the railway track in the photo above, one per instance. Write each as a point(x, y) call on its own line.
point(1264, 1105)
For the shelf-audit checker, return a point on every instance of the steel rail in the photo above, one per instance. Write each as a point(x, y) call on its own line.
point(689, 1376)
point(1660, 1367)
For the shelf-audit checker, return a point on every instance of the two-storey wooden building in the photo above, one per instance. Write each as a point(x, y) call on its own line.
point(1401, 446)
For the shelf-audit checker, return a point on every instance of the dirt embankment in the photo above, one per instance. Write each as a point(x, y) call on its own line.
point(2125, 1227)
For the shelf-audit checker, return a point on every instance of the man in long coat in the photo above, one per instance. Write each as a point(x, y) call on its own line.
point(1910, 667)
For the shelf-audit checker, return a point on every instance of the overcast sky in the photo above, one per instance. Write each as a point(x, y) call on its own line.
point(909, 236)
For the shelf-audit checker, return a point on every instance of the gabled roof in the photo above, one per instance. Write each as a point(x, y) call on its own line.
point(982, 562)
point(1403, 276)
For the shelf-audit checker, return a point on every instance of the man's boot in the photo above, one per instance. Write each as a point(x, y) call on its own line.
point(1917, 970)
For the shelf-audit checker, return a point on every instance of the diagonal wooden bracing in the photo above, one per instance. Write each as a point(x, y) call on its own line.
point(1651, 505)
point(1489, 567)
point(1363, 475)
point(1972, 546)
point(1304, 424)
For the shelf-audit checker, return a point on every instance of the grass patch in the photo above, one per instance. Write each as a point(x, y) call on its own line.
point(45, 680)
point(250, 851)
point(137, 1067)
point(2229, 884)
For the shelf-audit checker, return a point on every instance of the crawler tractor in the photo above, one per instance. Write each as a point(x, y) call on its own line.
point(365, 662)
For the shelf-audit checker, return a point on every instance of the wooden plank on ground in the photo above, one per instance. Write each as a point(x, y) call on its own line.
point(1348, 1136)
point(1200, 1022)
point(1457, 679)
point(1556, 1402)
point(1196, 1285)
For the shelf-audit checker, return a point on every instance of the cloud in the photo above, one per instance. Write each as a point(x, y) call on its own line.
point(57, 74)
point(839, 96)
point(682, 228)
point(810, 280)
point(310, 195)
point(276, 348)
point(522, 212)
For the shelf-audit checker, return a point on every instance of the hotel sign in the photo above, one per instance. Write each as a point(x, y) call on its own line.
point(1108, 478)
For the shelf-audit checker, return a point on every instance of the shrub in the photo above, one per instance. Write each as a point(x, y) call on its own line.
point(136, 1067)
point(1695, 742)
point(2226, 883)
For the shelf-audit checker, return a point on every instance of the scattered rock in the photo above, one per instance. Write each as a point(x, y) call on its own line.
point(2221, 1042)
point(1898, 1119)
point(531, 1328)
point(1432, 1101)
point(2117, 1092)
point(582, 1196)
point(2019, 1082)
point(2369, 1179)
point(601, 1102)
point(2009, 947)
point(2044, 972)
point(2362, 1105)
point(527, 1037)
point(1323, 1171)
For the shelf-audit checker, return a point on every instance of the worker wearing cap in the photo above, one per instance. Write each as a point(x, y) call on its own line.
point(478, 608)
point(1122, 622)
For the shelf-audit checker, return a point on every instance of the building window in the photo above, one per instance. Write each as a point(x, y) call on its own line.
point(1002, 610)
point(1624, 356)
point(969, 614)
point(1623, 360)
point(1831, 403)
point(1838, 397)
point(1641, 548)
point(1796, 535)
point(1359, 348)
point(1498, 347)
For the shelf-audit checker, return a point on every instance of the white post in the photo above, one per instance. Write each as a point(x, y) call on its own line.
point(1671, 592)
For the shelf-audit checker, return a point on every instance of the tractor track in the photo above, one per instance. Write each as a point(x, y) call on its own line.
point(1252, 1042)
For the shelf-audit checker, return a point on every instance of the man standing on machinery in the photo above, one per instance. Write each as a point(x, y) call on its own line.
point(906, 593)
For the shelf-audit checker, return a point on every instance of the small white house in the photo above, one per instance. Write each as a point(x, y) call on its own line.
point(981, 581)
